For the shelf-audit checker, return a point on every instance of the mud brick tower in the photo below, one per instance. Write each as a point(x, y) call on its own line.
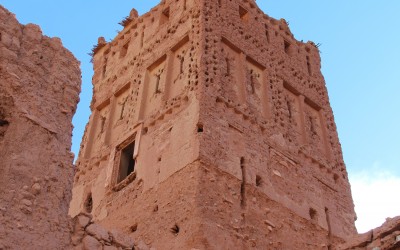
point(212, 129)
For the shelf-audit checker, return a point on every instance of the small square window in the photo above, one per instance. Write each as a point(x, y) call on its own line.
point(126, 162)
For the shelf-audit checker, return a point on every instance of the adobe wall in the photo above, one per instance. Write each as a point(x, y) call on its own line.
point(385, 237)
point(206, 91)
point(268, 122)
point(235, 142)
point(145, 85)
point(39, 86)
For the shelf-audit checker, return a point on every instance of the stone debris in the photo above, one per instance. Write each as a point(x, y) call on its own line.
point(98, 232)
point(89, 235)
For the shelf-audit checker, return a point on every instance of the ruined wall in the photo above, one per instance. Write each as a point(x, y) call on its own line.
point(211, 127)
point(39, 87)
point(385, 237)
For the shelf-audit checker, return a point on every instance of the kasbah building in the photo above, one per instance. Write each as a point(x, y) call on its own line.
point(211, 128)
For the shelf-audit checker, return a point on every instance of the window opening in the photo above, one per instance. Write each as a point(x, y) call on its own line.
point(103, 123)
point(182, 60)
point(328, 222)
point(164, 16)
point(200, 128)
point(142, 38)
point(313, 213)
point(134, 228)
point(104, 70)
point(89, 203)
point(121, 115)
point(243, 184)
point(258, 181)
point(228, 66)
point(124, 50)
point(158, 79)
point(309, 66)
point(287, 47)
point(289, 106)
point(3, 122)
point(253, 78)
point(243, 13)
point(127, 162)
point(267, 32)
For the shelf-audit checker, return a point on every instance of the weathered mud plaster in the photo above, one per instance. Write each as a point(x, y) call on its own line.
point(39, 87)
point(211, 128)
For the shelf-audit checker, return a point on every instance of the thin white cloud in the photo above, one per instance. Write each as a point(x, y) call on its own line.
point(376, 197)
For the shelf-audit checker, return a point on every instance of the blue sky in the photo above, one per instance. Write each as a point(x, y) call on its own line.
point(360, 61)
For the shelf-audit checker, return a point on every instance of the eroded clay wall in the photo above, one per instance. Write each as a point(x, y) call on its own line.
point(145, 86)
point(228, 121)
point(39, 87)
point(268, 122)
point(385, 237)
point(251, 220)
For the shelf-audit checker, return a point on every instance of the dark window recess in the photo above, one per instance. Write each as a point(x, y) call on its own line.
point(287, 47)
point(200, 128)
point(182, 60)
point(243, 184)
point(289, 106)
point(142, 39)
point(313, 213)
point(335, 177)
point(164, 16)
point(258, 181)
point(243, 13)
point(228, 67)
point(134, 228)
point(104, 69)
point(124, 50)
point(89, 203)
point(309, 66)
point(121, 114)
point(266, 32)
point(3, 123)
point(102, 125)
point(328, 221)
point(127, 163)
point(267, 35)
